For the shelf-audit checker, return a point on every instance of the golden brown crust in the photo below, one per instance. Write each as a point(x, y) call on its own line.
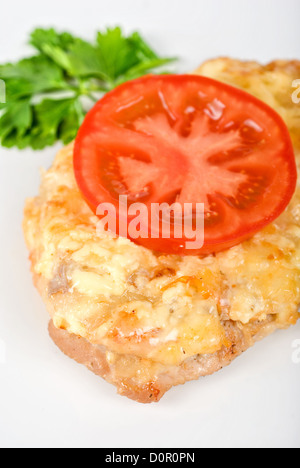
point(95, 359)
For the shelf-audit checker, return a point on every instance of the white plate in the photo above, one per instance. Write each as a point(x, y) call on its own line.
point(49, 400)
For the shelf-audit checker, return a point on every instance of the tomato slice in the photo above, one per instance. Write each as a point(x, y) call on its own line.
point(187, 139)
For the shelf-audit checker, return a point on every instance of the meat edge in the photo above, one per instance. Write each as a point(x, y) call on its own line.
point(95, 359)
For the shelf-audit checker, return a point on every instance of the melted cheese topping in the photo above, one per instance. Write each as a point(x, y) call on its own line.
point(165, 308)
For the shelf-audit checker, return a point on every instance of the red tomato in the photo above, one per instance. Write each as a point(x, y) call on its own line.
point(187, 139)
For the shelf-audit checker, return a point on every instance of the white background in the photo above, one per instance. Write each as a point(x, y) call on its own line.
point(47, 399)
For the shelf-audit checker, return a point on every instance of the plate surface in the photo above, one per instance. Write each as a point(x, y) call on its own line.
point(47, 400)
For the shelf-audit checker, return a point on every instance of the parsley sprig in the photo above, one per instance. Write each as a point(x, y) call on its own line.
point(48, 94)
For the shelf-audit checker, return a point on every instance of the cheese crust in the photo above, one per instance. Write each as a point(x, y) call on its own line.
point(146, 321)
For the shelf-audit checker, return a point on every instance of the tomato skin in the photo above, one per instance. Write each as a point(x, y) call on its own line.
point(101, 132)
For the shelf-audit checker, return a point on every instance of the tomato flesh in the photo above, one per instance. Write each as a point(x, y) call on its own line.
point(188, 139)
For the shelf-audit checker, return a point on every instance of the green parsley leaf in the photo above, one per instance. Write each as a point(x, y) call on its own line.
point(49, 93)
point(41, 37)
point(17, 118)
point(31, 76)
point(117, 53)
point(60, 118)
